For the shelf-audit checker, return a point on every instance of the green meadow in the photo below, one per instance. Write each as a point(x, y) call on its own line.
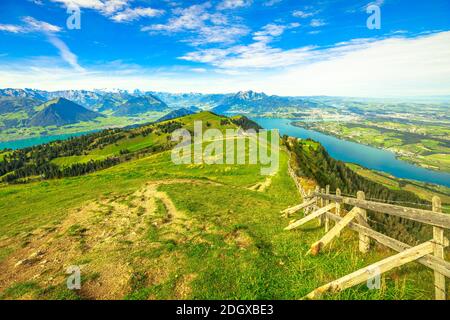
point(194, 232)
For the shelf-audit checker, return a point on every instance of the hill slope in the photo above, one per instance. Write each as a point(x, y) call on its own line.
point(150, 229)
point(61, 111)
point(176, 114)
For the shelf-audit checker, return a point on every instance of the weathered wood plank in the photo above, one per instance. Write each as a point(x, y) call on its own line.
point(364, 240)
point(424, 216)
point(338, 205)
point(429, 261)
point(335, 231)
point(298, 207)
point(327, 202)
point(438, 237)
point(382, 266)
point(322, 204)
point(315, 214)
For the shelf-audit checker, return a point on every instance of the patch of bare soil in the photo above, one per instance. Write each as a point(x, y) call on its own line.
point(262, 186)
point(100, 237)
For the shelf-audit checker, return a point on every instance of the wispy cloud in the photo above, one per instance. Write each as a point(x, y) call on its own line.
point(204, 26)
point(37, 25)
point(378, 68)
point(270, 3)
point(30, 25)
point(258, 54)
point(315, 23)
point(11, 28)
point(65, 52)
point(233, 4)
point(136, 13)
point(303, 14)
point(116, 10)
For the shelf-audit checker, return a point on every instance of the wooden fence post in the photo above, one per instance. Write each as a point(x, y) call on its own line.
point(364, 240)
point(338, 205)
point(307, 210)
point(317, 190)
point(438, 238)
point(327, 202)
point(322, 204)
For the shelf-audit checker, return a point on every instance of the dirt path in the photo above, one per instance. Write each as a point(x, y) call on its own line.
point(262, 186)
point(99, 237)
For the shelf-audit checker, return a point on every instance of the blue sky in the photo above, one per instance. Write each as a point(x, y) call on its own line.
point(278, 46)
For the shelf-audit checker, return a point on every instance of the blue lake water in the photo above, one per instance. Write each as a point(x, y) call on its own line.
point(369, 157)
point(29, 142)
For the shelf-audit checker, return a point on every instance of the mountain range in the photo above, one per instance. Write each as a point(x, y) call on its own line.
point(60, 111)
point(19, 107)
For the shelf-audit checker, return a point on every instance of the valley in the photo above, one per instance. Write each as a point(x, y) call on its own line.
point(426, 145)
point(417, 132)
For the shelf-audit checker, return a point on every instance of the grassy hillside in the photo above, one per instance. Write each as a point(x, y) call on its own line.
point(150, 229)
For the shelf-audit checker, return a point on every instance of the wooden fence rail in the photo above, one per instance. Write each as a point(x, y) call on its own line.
point(328, 208)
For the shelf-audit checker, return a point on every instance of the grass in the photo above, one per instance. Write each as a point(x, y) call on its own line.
point(238, 248)
point(224, 241)
point(99, 123)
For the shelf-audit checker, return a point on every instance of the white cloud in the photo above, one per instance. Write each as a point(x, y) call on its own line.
point(367, 67)
point(136, 13)
point(396, 66)
point(271, 31)
point(92, 4)
point(256, 55)
point(116, 10)
point(233, 4)
point(206, 27)
point(65, 52)
point(42, 26)
point(270, 3)
point(12, 28)
point(30, 25)
point(189, 18)
point(303, 14)
point(317, 23)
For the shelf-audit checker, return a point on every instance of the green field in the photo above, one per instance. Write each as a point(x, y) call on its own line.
point(97, 124)
point(150, 229)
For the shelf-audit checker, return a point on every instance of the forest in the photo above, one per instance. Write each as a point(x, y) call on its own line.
point(312, 160)
point(18, 165)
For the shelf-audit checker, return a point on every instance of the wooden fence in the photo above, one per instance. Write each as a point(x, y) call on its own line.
point(328, 208)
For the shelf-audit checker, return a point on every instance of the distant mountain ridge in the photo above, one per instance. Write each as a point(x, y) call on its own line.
point(178, 113)
point(251, 102)
point(61, 111)
point(125, 103)
point(139, 105)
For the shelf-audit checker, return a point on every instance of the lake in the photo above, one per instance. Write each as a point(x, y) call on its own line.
point(369, 157)
point(29, 142)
